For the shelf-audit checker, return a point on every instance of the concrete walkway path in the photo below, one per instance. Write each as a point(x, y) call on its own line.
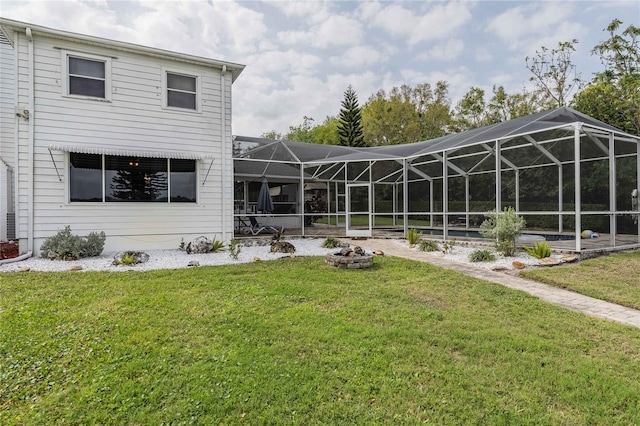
point(568, 299)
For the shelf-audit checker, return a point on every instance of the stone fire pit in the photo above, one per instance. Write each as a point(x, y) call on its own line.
point(349, 259)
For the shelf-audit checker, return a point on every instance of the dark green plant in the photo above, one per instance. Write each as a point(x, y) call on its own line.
point(413, 236)
point(482, 256)
point(66, 246)
point(350, 131)
point(539, 250)
point(331, 242)
point(235, 248)
point(277, 236)
point(429, 245)
point(216, 245)
point(504, 228)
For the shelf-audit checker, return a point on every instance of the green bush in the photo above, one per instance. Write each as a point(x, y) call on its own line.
point(235, 248)
point(540, 249)
point(413, 236)
point(482, 256)
point(66, 246)
point(429, 245)
point(216, 245)
point(331, 242)
point(504, 228)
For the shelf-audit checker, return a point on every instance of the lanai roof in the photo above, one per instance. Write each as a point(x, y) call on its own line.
point(299, 152)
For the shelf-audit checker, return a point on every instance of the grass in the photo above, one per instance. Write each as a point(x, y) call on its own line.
point(614, 278)
point(294, 341)
point(362, 220)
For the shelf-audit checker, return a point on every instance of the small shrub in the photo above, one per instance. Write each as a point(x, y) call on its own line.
point(66, 246)
point(504, 228)
point(182, 246)
point(282, 247)
point(540, 249)
point(447, 246)
point(429, 245)
point(482, 256)
point(127, 258)
point(331, 242)
point(93, 244)
point(234, 248)
point(216, 245)
point(413, 236)
point(277, 236)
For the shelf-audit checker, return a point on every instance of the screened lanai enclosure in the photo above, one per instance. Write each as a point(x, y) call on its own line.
point(570, 176)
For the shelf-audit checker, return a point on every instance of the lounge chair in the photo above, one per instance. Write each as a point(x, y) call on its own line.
point(257, 228)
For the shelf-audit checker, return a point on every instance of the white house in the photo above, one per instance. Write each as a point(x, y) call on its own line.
point(110, 136)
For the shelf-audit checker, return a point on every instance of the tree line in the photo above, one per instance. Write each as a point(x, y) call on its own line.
point(409, 114)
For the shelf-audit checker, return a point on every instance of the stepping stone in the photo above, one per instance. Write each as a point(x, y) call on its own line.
point(549, 261)
point(76, 268)
point(517, 264)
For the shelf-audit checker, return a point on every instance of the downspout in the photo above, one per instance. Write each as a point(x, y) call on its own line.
point(16, 259)
point(30, 207)
point(223, 136)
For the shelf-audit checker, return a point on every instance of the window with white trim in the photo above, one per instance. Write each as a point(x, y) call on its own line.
point(114, 178)
point(181, 91)
point(87, 76)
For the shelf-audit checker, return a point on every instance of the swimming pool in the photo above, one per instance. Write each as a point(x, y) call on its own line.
point(458, 233)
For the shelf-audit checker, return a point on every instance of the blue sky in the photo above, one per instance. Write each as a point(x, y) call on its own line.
point(301, 56)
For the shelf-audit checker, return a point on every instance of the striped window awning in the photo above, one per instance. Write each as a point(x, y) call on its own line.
point(92, 149)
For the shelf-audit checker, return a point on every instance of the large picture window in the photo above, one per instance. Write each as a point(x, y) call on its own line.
point(109, 178)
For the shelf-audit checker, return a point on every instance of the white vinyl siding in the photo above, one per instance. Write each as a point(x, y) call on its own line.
point(135, 118)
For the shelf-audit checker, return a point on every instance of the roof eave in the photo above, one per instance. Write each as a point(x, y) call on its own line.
point(233, 67)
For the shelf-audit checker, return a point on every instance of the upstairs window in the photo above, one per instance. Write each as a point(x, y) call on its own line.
point(87, 76)
point(181, 91)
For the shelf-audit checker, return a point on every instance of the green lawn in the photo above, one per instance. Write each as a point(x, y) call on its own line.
point(295, 342)
point(615, 278)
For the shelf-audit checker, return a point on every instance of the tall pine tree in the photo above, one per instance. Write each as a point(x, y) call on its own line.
point(350, 120)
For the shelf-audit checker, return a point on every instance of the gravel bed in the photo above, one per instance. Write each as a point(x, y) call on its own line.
point(173, 259)
point(460, 254)
point(251, 251)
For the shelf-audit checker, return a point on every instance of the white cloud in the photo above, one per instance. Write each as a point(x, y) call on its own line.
point(482, 54)
point(358, 56)
point(283, 61)
point(281, 107)
point(447, 51)
point(519, 25)
point(314, 11)
point(335, 31)
point(440, 21)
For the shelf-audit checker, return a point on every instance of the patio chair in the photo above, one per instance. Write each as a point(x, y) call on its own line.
point(257, 228)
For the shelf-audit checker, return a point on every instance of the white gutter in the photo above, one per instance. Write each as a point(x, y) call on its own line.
point(223, 138)
point(30, 161)
point(16, 144)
